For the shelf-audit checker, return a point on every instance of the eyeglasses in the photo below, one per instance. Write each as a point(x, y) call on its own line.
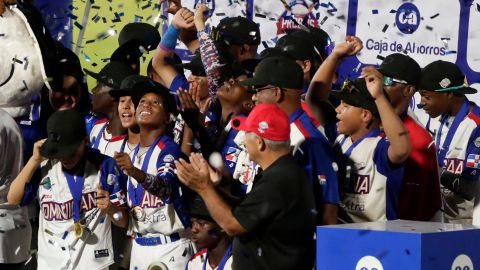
point(255, 90)
point(389, 81)
point(348, 87)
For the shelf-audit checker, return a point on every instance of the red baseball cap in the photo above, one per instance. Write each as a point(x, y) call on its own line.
point(267, 121)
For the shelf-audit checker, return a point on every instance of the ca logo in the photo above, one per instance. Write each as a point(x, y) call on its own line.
point(407, 18)
point(462, 262)
point(369, 263)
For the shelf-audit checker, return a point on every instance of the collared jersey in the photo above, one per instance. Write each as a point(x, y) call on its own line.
point(313, 153)
point(462, 158)
point(104, 141)
point(58, 248)
point(167, 215)
point(370, 184)
point(200, 259)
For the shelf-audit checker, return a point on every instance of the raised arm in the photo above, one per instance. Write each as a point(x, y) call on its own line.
point(393, 126)
point(17, 188)
point(208, 51)
point(321, 83)
point(183, 19)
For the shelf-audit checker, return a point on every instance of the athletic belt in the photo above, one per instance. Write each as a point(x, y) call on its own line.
point(155, 241)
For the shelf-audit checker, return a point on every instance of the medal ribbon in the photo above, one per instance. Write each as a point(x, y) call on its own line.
point(224, 260)
point(136, 194)
point(442, 151)
point(373, 133)
point(75, 184)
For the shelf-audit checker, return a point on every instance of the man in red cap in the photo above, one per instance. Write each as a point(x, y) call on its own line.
point(275, 222)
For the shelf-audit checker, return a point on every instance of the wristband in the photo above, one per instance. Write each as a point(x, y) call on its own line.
point(169, 38)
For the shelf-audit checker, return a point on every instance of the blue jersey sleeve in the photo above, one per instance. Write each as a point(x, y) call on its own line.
point(178, 82)
point(394, 174)
point(471, 168)
point(316, 158)
point(114, 181)
point(165, 183)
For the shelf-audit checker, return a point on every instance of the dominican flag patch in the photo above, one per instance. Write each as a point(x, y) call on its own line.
point(322, 179)
point(232, 154)
point(118, 198)
point(473, 161)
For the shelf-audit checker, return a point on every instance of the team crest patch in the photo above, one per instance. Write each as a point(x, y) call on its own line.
point(168, 159)
point(322, 179)
point(477, 142)
point(46, 183)
point(473, 161)
point(111, 179)
point(445, 83)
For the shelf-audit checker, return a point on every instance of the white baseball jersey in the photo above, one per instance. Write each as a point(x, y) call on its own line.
point(104, 141)
point(166, 221)
point(371, 186)
point(18, 235)
point(199, 261)
point(458, 144)
point(58, 248)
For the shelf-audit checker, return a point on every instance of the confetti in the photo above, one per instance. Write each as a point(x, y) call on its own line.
point(26, 63)
point(393, 11)
point(323, 20)
point(478, 7)
point(95, 7)
point(450, 52)
point(70, 15)
point(220, 14)
point(379, 57)
point(429, 27)
point(434, 16)
point(17, 61)
point(385, 28)
point(374, 11)
point(260, 15)
point(87, 58)
point(77, 24)
point(149, 4)
point(25, 87)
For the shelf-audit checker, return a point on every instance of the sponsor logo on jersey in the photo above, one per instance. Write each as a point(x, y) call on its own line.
point(453, 165)
point(101, 253)
point(151, 201)
point(358, 184)
point(64, 210)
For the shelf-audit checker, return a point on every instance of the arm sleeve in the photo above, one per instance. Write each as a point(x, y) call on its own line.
point(178, 82)
point(316, 158)
point(211, 61)
point(165, 182)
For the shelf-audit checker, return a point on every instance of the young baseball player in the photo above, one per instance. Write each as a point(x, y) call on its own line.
point(370, 167)
point(443, 88)
point(212, 242)
point(108, 129)
point(158, 222)
point(73, 233)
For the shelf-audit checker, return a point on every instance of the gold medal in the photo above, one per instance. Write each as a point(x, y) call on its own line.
point(77, 229)
point(138, 214)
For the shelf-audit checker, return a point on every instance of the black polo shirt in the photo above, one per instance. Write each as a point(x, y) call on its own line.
point(279, 216)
